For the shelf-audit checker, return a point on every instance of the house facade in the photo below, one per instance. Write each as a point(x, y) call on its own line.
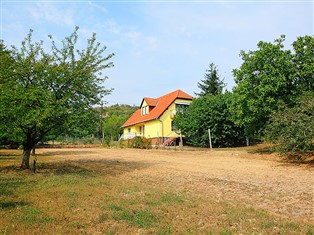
point(154, 118)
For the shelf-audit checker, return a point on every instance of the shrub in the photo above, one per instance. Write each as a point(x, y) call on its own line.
point(88, 140)
point(139, 143)
point(292, 129)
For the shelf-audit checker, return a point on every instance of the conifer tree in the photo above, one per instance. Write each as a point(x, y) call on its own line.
point(211, 84)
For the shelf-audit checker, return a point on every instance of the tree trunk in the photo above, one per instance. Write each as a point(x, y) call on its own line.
point(34, 151)
point(26, 156)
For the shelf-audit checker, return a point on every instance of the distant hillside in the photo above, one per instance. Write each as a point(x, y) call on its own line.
point(113, 118)
point(121, 109)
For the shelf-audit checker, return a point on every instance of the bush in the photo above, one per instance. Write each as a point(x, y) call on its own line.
point(106, 142)
point(88, 140)
point(137, 142)
point(292, 129)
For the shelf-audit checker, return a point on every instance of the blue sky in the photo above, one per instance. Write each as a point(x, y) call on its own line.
point(161, 46)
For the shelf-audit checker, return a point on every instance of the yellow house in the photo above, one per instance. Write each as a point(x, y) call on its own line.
point(154, 118)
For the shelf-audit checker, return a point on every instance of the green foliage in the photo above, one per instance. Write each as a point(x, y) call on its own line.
point(211, 83)
point(7, 138)
point(303, 60)
point(263, 79)
point(82, 123)
point(112, 127)
point(115, 116)
point(137, 142)
point(209, 112)
point(6, 64)
point(268, 77)
point(120, 110)
point(51, 93)
point(292, 129)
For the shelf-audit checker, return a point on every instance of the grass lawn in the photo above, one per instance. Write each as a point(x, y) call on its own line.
point(68, 197)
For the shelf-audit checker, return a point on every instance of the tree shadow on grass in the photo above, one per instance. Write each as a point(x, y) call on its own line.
point(80, 167)
point(10, 153)
point(88, 167)
point(73, 152)
point(12, 204)
point(263, 150)
point(12, 168)
point(7, 158)
point(308, 162)
point(62, 168)
point(8, 184)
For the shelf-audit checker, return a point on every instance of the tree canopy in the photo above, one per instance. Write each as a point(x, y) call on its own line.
point(272, 91)
point(209, 112)
point(303, 60)
point(211, 84)
point(50, 92)
point(268, 77)
point(292, 128)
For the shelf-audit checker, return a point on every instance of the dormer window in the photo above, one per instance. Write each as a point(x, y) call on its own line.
point(145, 110)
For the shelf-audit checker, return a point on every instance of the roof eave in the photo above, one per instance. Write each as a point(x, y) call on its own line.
point(134, 123)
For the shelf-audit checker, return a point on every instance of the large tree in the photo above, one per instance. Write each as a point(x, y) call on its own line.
point(211, 84)
point(209, 112)
point(51, 92)
point(292, 128)
point(303, 61)
point(268, 77)
point(6, 69)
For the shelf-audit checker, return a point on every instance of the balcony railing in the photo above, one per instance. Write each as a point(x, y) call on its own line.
point(128, 136)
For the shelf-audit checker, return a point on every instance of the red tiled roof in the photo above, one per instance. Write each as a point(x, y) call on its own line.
point(160, 105)
point(150, 101)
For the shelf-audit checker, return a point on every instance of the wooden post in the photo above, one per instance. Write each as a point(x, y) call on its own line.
point(247, 141)
point(210, 140)
point(181, 140)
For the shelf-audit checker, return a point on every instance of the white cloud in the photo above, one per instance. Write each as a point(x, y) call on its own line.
point(101, 8)
point(48, 11)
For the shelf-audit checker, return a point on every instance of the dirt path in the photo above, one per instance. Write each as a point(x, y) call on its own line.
point(260, 181)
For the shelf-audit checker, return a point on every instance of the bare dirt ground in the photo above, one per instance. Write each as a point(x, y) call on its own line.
point(261, 181)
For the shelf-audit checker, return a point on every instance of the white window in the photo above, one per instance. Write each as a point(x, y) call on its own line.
point(145, 110)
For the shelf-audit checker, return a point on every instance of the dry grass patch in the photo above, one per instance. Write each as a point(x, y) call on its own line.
point(90, 197)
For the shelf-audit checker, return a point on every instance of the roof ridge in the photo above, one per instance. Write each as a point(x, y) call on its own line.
point(170, 93)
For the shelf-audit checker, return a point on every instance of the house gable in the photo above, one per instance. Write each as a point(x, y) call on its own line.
point(152, 109)
point(147, 105)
